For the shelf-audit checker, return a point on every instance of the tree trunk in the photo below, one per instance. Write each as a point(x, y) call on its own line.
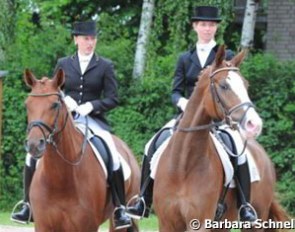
point(247, 37)
point(142, 39)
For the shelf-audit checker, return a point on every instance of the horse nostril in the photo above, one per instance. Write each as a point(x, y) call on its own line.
point(252, 127)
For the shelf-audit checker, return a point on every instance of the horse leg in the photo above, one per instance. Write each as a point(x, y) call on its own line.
point(176, 227)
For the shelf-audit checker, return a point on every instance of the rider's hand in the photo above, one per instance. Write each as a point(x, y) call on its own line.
point(84, 109)
point(182, 102)
point(70, 103)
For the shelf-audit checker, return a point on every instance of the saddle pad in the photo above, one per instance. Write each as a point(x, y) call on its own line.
point(224, 157)
point(124, 164)
point(156, 157)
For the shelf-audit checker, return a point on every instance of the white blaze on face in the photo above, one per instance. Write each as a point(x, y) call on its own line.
point(252, 123)
point(237, 85)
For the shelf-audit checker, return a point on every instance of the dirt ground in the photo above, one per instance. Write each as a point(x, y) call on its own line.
point(15, 229)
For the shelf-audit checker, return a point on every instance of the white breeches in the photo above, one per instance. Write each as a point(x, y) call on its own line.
point(104, 134)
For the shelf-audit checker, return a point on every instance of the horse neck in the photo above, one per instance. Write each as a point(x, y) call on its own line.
point(189, 148)
point(57, 158)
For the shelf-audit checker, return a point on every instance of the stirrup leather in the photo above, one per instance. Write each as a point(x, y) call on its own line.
point(21, 202)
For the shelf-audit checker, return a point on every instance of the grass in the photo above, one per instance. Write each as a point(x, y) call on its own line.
point(148, 224)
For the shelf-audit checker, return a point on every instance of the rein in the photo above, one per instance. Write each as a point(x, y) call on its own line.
point(227, 113)
point(54, 131)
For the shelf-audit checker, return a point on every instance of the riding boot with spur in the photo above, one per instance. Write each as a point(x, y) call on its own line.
point(246, 210)
point(143, 204)
point(121, 219)
point(24, 215)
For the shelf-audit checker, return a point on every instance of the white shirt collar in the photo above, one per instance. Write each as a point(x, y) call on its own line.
point(203, 51)
point(83, 58)
point(206, 47)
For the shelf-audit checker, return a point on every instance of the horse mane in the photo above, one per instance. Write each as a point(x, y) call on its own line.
point(202, 76)
point(44, 80)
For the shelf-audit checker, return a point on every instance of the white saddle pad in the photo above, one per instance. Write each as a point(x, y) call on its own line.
point(227, 165)
point(124, 164)
point(228, 168)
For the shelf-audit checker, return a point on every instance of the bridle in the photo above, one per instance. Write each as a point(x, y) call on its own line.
point(44, 126)
point(233, 124)
point(53, 131)
point(222, 105)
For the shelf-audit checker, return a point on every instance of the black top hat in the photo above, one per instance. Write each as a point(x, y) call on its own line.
point(206, 13)
point(84, 28)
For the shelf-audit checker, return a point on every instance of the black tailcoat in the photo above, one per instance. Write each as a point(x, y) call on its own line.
point(187, 71)
point(97, 85)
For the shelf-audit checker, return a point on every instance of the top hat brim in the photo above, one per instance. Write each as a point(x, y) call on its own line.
point(75, 33)
point(193, 19)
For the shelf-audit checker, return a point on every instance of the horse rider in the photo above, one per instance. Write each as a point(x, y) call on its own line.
point(90, 90)
point(205, 21)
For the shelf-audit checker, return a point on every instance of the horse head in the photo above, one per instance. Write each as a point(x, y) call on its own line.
point(44, 105)
point(229, 99)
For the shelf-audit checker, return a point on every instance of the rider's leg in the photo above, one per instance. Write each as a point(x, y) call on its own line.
point(116, 179)
point(242, 178)
point(23, 216)
point(247, 212)
point(117, 185)
point(142, 206)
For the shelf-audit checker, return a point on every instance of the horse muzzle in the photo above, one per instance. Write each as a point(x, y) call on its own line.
point(35, 147)
point(251, 126)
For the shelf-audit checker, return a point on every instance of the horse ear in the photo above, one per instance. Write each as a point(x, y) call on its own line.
point(59, 78)
point(220, 56)
point(238, 59)
point(29, 78)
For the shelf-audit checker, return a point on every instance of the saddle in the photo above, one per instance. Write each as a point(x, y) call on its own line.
point(102, 153)
point(226, 139)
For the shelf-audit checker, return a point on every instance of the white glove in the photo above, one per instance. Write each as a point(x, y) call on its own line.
point(84, 109)
point(70, 103)
point(182, 102)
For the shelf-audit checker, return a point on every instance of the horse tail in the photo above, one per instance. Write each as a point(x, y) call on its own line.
point(277, 213)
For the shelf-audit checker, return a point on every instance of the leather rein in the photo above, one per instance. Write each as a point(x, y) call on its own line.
point(52, 131)
point(222, 105)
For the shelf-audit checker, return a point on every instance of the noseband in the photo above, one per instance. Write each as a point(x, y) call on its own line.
point(222, 105)
point(55, 131)
point(42, 125)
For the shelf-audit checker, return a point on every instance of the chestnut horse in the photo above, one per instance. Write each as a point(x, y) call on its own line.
point(189, 180)
point(69, 191)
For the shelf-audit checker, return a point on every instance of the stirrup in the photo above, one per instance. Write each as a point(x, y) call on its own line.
point(113, 216)
point(251, 207)
point(136, 199)
point(21, 202)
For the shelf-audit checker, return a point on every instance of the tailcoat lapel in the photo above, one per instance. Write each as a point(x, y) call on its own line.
point(75, 63)
point(93, 62)
point(195, 58)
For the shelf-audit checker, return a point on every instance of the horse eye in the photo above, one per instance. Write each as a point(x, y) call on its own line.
point(224, 86)
point(55, 105)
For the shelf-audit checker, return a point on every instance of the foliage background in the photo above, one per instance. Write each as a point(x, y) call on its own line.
point(35, 41)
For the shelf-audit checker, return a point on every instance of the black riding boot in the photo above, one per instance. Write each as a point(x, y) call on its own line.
point(121, 220)
point(246, 210)
point(24, 215)
point(143, 204)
